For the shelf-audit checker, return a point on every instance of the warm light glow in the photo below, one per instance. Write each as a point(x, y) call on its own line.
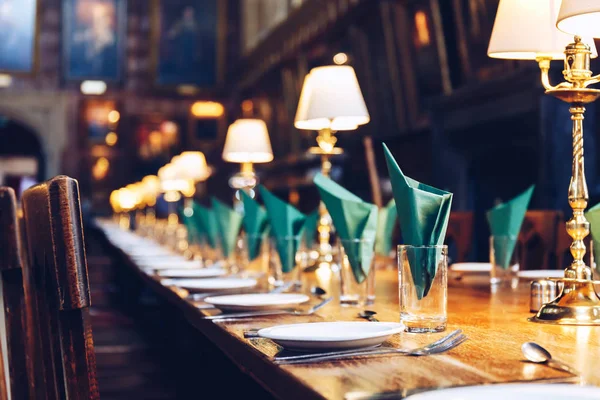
point(340, 58)
point(100, 168)
point(423, 37)
point(150, 189)
point(331, 99)
point(114, 201)
point(538, 19)
point(127, 199)
point(171, 180)
point(155, 140)
point(248, 142)
point(114, 116)
point(192, 165)
point(207, 109)
point(580, 17)
point(247, 106)
point(5, 80)
point(111, 138)
point(93, 87)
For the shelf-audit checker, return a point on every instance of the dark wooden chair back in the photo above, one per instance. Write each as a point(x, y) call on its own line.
point(538, 238)
point(11, 275)
point(460, 234)
point(57, 292)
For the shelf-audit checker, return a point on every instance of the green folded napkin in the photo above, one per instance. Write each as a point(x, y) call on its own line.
point(388, 216)
point(230, 223)
point(505, 220)
point(255, 224)
point(353, 219)
point(593, 216)
point(192, 228)
point(423, 212)
point(310, 228)
point(207, 224)
point(287, 225)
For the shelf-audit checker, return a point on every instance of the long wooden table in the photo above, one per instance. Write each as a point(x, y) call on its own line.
point(496, 324)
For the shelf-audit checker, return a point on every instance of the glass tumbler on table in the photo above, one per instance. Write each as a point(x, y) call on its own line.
point(424, 300)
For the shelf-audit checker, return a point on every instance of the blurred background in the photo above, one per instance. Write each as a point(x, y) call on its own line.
point(108, 91)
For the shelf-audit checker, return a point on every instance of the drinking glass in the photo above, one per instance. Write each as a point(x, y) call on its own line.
point(504, 259)
point(423, 307)
point(353, 293)
point(280, 272)
point(257, 252)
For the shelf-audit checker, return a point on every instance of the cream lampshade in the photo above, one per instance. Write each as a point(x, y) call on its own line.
point(192, 165)
point(525, 30)
point(580, 17)
point(248, 142)
point(331, 99)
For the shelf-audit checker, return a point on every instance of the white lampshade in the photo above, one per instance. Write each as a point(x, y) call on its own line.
point(171, 179)
point(525, 29)
point(192, 165)
point(331, 99)
point(580, 17)
point(248, 142)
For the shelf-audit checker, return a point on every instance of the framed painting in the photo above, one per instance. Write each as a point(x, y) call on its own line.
point(205, 132)
point(18, 32)
point(474, 22)
point(94, 33)
point(98, 119)
point(188, 42)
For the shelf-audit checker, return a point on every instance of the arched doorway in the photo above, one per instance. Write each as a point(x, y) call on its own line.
point(22, 161)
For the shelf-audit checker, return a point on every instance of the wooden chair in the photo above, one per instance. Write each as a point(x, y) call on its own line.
point(538, 238)
point(11, 274)
point(57, 293)
point(460, 234)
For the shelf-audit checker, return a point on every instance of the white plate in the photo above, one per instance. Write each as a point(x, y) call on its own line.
point(471, 267)
point(516, 391)
point(542, 274)
point(331, 335)
point(212, 284)
point(191, 273)
point(169, 264)
point(257, 301)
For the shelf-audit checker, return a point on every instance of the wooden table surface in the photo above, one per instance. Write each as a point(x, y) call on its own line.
point(496, 324)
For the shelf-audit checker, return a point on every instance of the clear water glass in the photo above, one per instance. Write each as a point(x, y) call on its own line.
point(504, 258)
point(427, 313)
point(294, 249)
point(257, 246)
point(353, 293)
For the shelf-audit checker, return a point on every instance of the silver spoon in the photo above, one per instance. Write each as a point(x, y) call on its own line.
point(537, 354)
point(317, 291)
point(368, 315)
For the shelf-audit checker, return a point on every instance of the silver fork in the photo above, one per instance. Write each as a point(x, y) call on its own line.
point(251, 314)
point(446, 343)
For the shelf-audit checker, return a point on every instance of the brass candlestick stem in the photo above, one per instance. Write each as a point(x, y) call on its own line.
point(326, 140)
point(245, 180)
point(578, 303)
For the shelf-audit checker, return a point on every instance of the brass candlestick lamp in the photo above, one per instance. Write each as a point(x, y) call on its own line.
point(578, 303)
point(331, 101)
point(247, 143)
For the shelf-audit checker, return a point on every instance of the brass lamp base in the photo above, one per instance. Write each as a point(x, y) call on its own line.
point(578, 304)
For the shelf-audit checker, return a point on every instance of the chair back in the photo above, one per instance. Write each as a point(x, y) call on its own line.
point(11, 275)
point(460, 234)
point(538, 239)
point(57, 292)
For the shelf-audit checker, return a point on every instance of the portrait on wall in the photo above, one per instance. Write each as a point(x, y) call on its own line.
point(93, 35)
point(17, 35)
point(99, 118)
point(187, 42)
